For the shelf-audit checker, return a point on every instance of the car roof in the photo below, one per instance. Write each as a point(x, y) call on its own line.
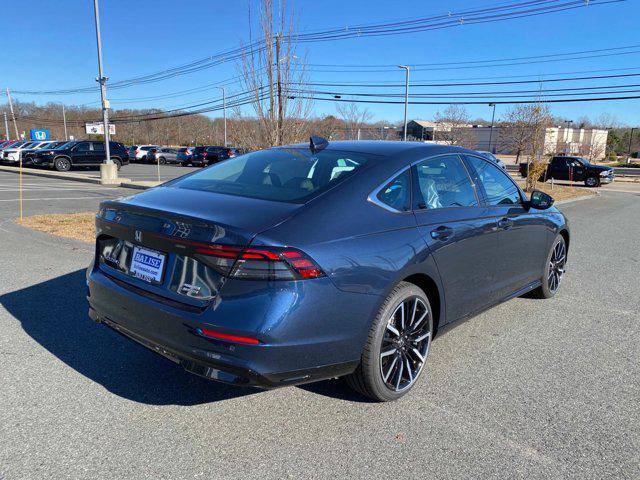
point(387, 147)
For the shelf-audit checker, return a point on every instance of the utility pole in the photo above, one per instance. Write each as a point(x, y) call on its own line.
point(13, 115)
point(64, 119)
point(6, 125)
point(224, 113)
point(406, 98)
point(493, 116)
point(109, 173)
point(630, 140)
point(279, 92)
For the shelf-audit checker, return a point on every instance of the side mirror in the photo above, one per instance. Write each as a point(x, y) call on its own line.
point(540, 200)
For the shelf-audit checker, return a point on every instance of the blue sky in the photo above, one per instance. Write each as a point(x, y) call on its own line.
point(53, 47)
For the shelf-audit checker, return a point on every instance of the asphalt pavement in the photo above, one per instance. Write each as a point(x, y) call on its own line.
point(529, 389)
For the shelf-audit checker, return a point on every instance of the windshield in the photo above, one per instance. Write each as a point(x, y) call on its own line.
point(283, 175)
point(64, 145)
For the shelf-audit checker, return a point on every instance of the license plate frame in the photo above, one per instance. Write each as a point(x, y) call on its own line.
point(144, 264)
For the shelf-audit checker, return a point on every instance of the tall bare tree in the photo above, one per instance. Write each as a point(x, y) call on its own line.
point(452, 126)
point(523, 130)
point(353, 118)
point(275, 75)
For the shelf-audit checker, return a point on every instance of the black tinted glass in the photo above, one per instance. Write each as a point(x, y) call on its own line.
point(397, 193)
point(286, 175)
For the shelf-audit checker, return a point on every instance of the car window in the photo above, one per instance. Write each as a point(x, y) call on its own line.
point(500, 189)
point(397, 193)
point(443, 182)
point(98, 146)
point(84, 147)
point(283, 174)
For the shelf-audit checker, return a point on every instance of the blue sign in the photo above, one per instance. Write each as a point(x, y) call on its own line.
point(39, 134)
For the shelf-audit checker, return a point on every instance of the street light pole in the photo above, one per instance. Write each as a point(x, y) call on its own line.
point(103, 90)
point(406, 98)
point(493, 116)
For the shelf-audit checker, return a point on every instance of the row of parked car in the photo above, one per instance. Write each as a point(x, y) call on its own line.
point(186, 156)
point(61, 155)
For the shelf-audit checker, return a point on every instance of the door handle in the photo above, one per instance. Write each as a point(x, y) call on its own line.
point(441, 233)
point(505, 223)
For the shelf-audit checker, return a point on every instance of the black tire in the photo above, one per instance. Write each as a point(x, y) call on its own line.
point(162, 160)
point(117, 162)
point(592, 181)
point(551, 280)
point(368, 379)
point(62, 164)
point(185, 164)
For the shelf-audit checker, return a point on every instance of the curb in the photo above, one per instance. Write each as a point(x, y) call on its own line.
point(75, 177)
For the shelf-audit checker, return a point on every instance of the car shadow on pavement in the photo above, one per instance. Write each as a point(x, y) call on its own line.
point(54, 314)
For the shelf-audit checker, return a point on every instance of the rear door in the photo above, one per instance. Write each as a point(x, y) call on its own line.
point(460, 232)
point(523, 234)
point(97, 153)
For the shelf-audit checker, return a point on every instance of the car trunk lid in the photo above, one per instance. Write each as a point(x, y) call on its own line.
point(155, 240)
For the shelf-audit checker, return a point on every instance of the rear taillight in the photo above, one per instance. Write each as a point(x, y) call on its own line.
point(204, 154)
point(259, 263)
point(231, 154)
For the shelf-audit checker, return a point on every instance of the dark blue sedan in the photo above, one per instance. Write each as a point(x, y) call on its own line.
point(306, 262)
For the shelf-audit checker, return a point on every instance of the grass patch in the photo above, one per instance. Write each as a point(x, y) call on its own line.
point(79, 226)
point(562, 192)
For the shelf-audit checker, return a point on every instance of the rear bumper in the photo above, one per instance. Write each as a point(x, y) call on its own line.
point(308, 330)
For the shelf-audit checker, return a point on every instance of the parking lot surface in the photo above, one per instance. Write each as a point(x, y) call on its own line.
point(529, 389)
point(148, 172)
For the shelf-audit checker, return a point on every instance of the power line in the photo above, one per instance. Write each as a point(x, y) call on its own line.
point(446, 20)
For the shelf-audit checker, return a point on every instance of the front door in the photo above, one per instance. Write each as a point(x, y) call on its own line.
point(523, 235)
point(461, 234)
point(82, 153)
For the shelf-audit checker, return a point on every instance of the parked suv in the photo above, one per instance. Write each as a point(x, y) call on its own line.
point(27, 153)
point(575, 169)
point(140, 153)
point(162, 155)
point(82, 153)
point(184, 155)
point(208, 155)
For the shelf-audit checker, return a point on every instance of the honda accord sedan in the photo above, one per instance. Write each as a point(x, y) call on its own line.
point(313, 261)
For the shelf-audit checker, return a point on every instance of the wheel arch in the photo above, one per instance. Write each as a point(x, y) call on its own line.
point(430, 287)
point(565, 234)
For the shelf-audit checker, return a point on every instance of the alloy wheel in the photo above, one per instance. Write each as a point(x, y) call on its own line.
point(592, 182)
point(556, 266)
point(405, 344)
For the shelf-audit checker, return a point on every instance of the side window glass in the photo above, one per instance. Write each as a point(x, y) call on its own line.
point(499, 188)
point(98, 147)
point(397, 193)
point(443, 182)
point(84, 147)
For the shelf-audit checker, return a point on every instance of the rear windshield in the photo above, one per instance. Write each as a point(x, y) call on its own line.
point(283, 175)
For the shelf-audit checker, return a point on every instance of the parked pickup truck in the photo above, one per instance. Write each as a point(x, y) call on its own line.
point(575, 169)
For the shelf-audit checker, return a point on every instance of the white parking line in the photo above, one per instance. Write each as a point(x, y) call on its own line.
point(53, 198)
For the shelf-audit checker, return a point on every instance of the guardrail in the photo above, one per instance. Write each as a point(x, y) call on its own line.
point(623, 171)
